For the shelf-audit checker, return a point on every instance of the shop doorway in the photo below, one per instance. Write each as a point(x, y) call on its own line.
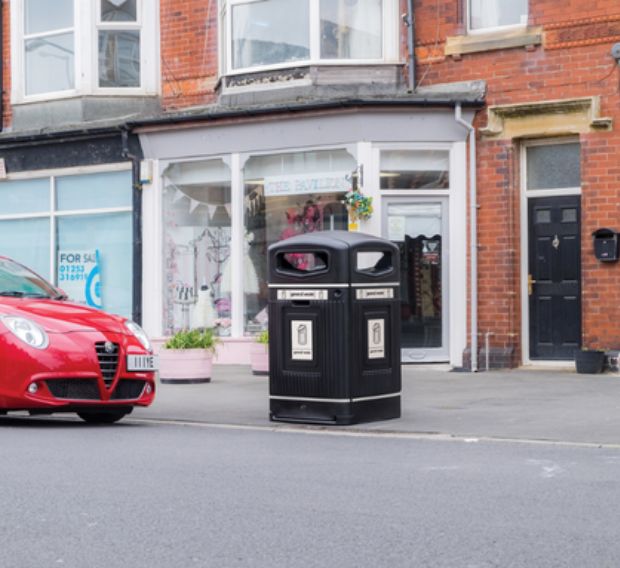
point(554, 276)
point(419, 228)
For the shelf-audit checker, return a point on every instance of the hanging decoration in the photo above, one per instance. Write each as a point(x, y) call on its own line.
point(358, 205)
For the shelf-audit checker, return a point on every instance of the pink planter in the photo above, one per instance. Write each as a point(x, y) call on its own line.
point(259, 359)
point(185, 365)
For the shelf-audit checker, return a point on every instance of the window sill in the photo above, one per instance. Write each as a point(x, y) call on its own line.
point(506, 39)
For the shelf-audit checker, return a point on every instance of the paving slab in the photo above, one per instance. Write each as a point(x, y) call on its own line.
point(548, 405)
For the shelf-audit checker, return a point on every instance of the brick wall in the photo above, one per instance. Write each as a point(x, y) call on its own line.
point(6, 65)
point(573, 61)
point(189, 44)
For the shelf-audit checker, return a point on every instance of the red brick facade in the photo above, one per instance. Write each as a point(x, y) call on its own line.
point(572, 61)
point(189, 57)
point(6, 64)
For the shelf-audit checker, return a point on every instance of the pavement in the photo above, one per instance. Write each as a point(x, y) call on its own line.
point(522, 404)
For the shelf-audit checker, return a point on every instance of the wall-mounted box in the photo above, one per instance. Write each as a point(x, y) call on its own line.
point(605, 245)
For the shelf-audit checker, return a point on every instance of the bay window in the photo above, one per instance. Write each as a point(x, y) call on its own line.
point(268, 33)
point(119, 44)
point(75, 47)
point(49, 46)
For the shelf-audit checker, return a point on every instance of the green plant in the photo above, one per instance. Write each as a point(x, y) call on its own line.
point(193, 339)
point(263, 337)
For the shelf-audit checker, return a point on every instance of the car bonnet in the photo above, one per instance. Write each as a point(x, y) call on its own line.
point(63, 317)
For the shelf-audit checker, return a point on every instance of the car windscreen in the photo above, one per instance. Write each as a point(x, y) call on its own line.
point(16, 280)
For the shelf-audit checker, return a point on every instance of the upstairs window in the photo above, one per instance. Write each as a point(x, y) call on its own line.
point(490, 15)
point(49, 46)
point(73, 47)
point(281, 33)
point(119, 43)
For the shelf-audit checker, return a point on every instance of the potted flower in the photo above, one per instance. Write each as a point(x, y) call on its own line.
point(259, 354)
point(187, 357)
point(589, 360)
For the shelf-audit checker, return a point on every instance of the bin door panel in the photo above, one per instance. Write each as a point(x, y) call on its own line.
point(376, 366)
point(308, 357)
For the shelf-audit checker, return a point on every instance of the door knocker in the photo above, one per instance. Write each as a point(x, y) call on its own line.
point(555, 243)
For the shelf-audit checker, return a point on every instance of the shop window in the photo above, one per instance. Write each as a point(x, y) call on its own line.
point(288, 195)
point(553, 166)
point(415, 169)
point(121, 33)
point(104, 243)
point(25, 196)
point(197, 251)
point(75, 231)
point(289, 32)
point(27, 241)
point(485, 15)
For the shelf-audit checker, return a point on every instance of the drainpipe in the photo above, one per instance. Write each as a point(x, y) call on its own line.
point(410, 23)
point(136, 225)
point(473, 235)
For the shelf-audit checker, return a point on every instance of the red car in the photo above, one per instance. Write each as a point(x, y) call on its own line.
point(59, 356)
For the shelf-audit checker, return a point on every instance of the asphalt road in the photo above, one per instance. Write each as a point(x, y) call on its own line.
point(142, 494)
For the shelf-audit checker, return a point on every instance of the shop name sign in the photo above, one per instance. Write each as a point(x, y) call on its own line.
point(330, 182)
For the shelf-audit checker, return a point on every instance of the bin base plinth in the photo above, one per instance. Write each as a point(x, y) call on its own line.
point(327, 412)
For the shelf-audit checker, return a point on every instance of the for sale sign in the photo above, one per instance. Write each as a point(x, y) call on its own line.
point(79, 276)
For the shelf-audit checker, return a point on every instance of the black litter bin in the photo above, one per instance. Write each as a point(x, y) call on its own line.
point(334, 329)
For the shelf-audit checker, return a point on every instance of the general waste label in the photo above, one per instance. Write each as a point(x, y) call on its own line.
point(374, 293)
point(376, 338)
point(301, 340)
point(302, 295)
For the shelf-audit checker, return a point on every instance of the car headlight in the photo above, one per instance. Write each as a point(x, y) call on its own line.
point(26, 330)
point(139, 333)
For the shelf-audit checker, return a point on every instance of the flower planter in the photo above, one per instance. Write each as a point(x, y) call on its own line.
point(589, 362)
point(259, 359)
point(185, 366)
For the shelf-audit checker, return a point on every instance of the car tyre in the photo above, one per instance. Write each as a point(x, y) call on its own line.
point(102, 417)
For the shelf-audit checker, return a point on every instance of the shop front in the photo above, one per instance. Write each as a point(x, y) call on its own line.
point(223, 192)
point(68, 211)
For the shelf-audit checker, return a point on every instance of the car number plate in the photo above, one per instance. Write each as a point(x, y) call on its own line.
point(142, 362)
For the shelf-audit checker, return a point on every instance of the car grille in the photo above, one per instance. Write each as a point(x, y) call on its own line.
point(128, 389)
point(108, 362)
point(81, 389)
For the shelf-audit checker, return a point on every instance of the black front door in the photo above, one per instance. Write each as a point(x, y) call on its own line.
point(554, 279)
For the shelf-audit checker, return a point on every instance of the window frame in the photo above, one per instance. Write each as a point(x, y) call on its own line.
point(390, 45)
point(87, 24)
point(490, 29)
point(100, 26)
point(54, 213)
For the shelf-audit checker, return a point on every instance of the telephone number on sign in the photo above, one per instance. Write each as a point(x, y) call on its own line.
point(71, 277)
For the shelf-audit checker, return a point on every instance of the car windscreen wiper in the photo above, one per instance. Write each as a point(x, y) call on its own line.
point(12, 293)
point(61, 297)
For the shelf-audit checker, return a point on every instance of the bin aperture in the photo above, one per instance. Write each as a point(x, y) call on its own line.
point(335, 331)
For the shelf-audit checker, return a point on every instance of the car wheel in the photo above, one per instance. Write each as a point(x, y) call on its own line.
point(102, 417)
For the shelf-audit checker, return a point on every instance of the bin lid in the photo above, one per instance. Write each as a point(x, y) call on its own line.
point(334, 257)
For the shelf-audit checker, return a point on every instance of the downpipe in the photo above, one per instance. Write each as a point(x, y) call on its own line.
point(473, 234)
point(409, 21)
